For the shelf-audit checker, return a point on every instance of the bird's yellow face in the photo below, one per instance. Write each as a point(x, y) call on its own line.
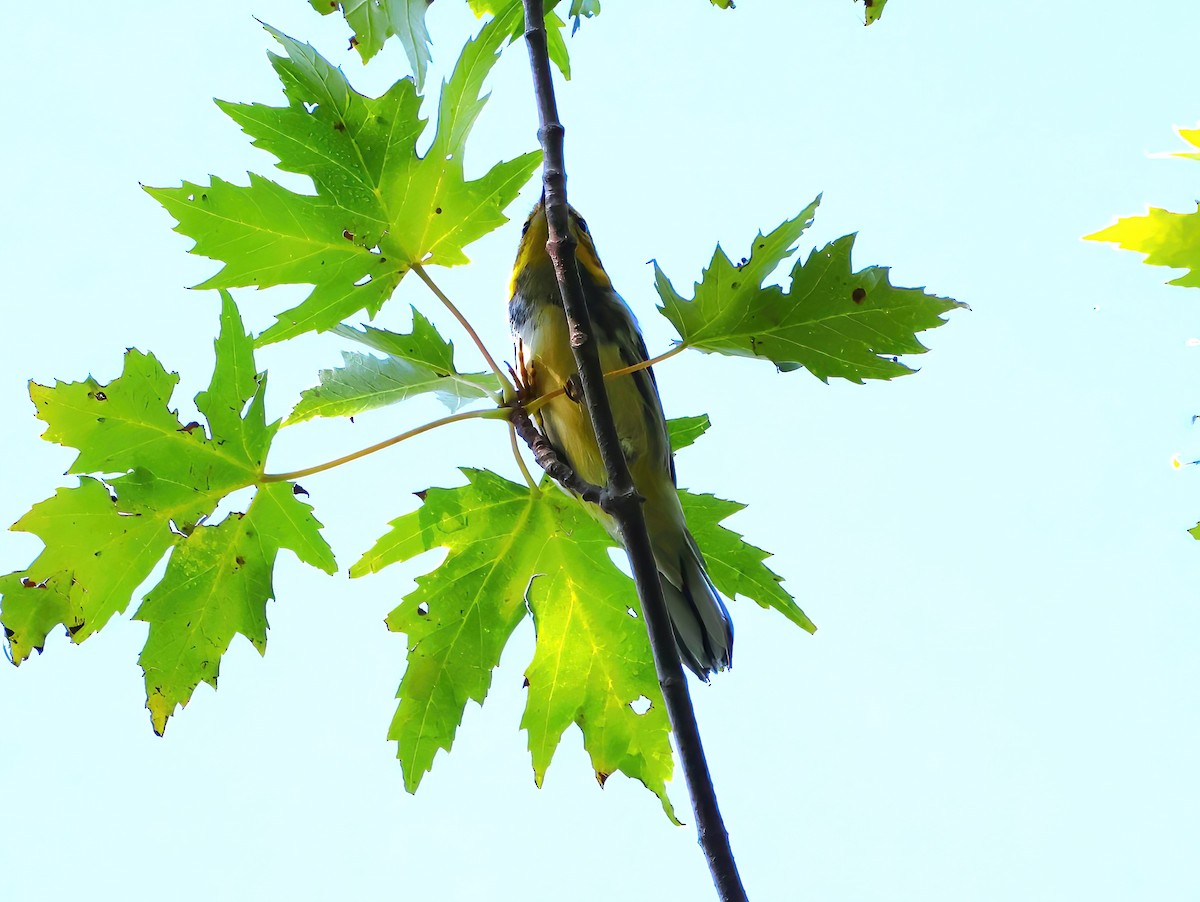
point(533, 260)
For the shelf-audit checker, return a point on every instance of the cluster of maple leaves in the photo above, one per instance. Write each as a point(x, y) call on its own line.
point(148, 484)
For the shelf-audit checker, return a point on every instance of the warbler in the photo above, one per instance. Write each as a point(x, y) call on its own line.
point(703, 630)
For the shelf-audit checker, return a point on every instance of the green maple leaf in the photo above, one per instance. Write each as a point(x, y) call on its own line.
point(831, 320)
point(419, 362)
point(513, 551)
point(100, 548)
point(513, 11)
point(592, 663)
point(217, 584)
point(874, 9)
point(374, 21)
point(736, 566)
point(1166, 238)
point(458, 620)
point(683, 431)
point(379, 208)
point(98, 551)
point(104, 536)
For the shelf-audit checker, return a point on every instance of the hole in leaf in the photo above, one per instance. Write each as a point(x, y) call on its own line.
point(632, 613)
point(363, 281)
point(310, 107)
point(640, 705)
point(423, 610)
point(620, 560)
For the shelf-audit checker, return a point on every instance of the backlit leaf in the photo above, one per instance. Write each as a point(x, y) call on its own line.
point(831, 320)
point(379, 207)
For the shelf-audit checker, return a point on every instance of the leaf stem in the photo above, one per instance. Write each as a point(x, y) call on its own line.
point(386, 443)
point(424, 277)
point(516, 450)
point(542, 400)
point(646, 364)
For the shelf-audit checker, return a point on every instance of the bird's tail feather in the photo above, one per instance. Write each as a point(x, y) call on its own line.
point(703, 629)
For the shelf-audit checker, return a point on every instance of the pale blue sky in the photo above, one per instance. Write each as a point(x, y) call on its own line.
point(1002, 700)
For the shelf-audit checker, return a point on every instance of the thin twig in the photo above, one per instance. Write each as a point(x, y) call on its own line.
point(379, 446)
point(547, 458)
point(516, 450)
point(465, 323)
point(620, 496)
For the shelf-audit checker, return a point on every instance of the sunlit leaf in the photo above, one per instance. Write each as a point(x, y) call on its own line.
point(1166, 238)
point(147, 484)
point(379, 207)
point(831, 320)
point(683, 431)
point(374, 21)
point(416, 363)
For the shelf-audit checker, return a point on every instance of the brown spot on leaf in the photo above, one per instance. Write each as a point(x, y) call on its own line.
point(347, 234)
point(240, 561)
point(421, 494)
point(438, 211)
point(99, 395)
point(339, 126)
point(298, 489)
point(74, 628)
point(353, 37)
point(858, 295)
point(601, 778)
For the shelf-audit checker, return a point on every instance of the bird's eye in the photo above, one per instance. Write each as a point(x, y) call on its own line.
point(525, 228)
point(583, 225)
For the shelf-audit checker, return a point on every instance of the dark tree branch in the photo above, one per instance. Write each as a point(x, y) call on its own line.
point(547, 458)
point(620, 498)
